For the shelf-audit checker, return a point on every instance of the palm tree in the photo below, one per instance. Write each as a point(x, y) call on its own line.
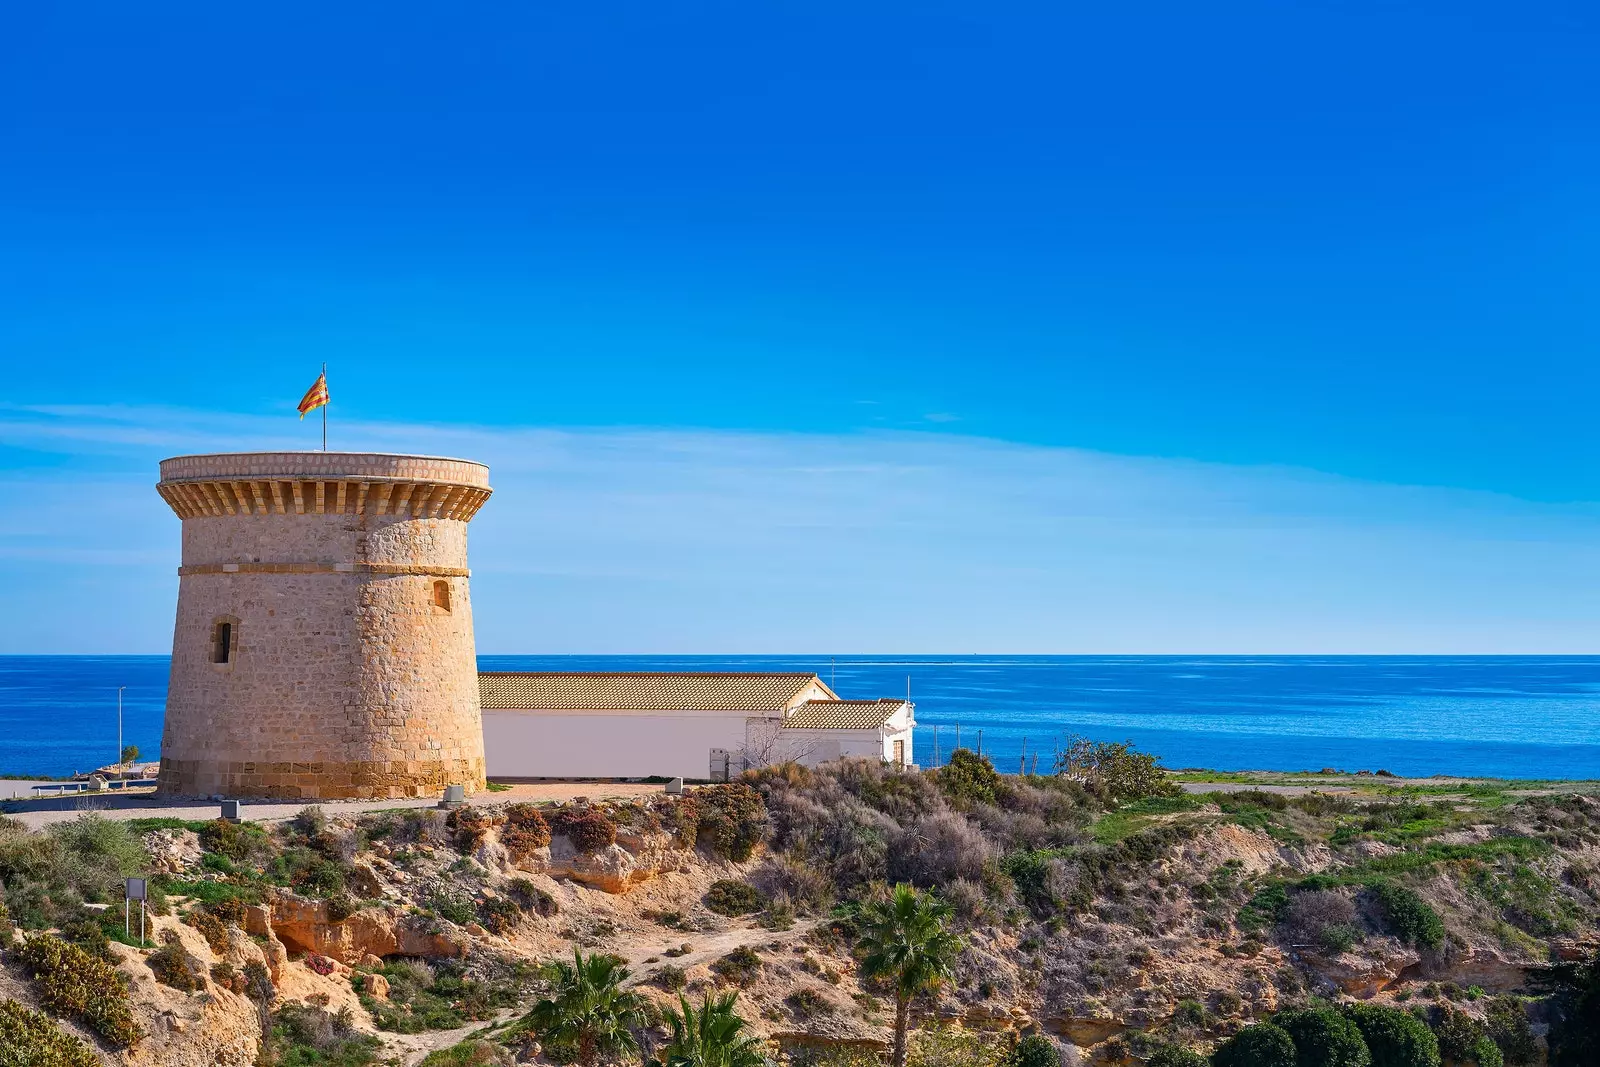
point(589, 1010)
point(709, 1037)
point(907, 944)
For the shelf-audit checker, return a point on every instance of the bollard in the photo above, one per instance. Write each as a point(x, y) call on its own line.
point(454, 796)
point(230, 810)
point(675, 786)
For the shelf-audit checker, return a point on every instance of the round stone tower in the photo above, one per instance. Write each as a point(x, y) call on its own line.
point(323, 646)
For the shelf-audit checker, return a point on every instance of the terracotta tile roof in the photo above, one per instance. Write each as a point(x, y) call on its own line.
point(842, 714)
point(641, 691)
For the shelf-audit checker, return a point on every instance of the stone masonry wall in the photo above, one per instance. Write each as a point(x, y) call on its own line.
point(346, 678)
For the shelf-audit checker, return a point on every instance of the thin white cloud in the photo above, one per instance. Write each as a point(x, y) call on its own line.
point(638, 539)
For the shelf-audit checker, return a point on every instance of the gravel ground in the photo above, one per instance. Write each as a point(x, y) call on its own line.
point(133, 805)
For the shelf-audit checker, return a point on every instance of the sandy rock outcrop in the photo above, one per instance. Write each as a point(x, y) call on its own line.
point(304, 925)
point(173, 851)
point(1366, 973)
point(217, 1027)
point(635, 858)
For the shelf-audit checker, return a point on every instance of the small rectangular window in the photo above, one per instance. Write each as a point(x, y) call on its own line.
point(222, 645)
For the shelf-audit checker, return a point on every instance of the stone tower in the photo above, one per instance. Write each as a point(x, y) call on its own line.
point(323, 645)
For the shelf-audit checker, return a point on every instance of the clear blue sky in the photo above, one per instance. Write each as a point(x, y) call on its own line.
point(1356, 242)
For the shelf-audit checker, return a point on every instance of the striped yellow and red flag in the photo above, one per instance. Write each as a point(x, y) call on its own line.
point(316, 396)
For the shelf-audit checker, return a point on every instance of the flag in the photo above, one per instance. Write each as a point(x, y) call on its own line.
point(316, 396)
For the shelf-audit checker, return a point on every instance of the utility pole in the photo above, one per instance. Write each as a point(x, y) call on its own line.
point(120, 688)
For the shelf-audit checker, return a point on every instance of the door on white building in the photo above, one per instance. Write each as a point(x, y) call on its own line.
point(900, 753)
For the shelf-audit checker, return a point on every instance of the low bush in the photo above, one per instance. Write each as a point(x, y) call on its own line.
point(501, 914)
point(1506, 1021)
point(1036, 1050)
point(1320, 918)
point(323, 878)
point(1113, 771)
point(176, 966)
point(670, 978)
point(453, 906)
point(525, 831)
point(1324, 1037)
point(937, 849)
point(808, 1002)
point(1394, 1037)
point(731, 898)
point(32, 1039)
point(730, 820)
point(1168, 1055)
point(968, 779)
point(71, 982)
point(739, 967)
point(531, 897)
point(469, 1053)
point(1406, 915)
point(305, 1035)
point(589, 829)
point(439, 997)
point(1463, 1039)
point(1261, 1045)
point(213, 929)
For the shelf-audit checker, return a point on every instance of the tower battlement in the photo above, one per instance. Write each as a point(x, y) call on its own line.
point(323, 645)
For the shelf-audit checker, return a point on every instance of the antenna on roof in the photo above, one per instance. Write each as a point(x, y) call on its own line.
point(833, 669)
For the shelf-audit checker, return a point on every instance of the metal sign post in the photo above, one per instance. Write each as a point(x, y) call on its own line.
point(133, 889)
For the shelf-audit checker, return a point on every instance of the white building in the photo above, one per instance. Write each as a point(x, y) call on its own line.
point(557, 724)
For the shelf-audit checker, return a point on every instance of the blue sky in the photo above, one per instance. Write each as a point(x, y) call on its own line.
point(1144, 327)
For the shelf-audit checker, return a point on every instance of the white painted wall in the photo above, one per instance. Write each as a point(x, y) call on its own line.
point(536, 744)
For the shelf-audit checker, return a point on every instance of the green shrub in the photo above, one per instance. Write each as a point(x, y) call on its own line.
point(730, 820)
point(1261, 1045)
point(1168, 1055)
point(670, 978)
point(1406, 915)
point(456, 908)
point(968, 778)
point(501, 914)
point(323, 878)
point(531, 897)
point(304, 1035)
point(1507, 1023)
point(1324, 1038)
point(739, 967)
point(71, 982)
point(1114, 772)
point(469, 1053)
point(175, 965)
point(1463, 1039)
point(1036, 1050)
point(226, 839)
point(589, 829)
point(31, 1039)
point(731, 898)
point(1395, 1038)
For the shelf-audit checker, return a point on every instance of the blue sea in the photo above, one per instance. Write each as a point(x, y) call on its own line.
point(1502, 716)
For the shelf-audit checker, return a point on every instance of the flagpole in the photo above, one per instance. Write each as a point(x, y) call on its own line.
point(324, 409)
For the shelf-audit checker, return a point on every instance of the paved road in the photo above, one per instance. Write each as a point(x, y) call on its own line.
point(38, 813)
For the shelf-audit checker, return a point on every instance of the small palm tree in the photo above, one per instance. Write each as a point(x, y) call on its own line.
point(588, 1011)
point(907, 944)
point(709, 1037)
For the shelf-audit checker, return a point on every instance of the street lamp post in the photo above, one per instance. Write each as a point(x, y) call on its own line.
point(120, 688)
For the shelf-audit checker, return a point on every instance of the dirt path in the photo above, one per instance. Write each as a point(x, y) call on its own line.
point(703, 948)
point(1242, 787)
point(40, 813)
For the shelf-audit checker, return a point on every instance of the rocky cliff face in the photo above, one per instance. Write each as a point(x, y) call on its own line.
point(1179, 920)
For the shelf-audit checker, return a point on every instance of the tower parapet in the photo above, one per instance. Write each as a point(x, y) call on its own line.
point(323, 645)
